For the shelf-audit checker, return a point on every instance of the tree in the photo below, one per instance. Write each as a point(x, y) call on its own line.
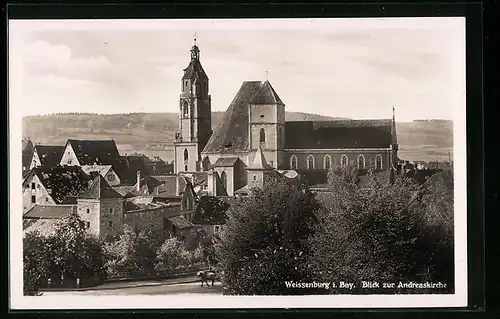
point(262, 245)
point(77, 253)
point(376, 232)
point(36, 265)
point(173, 254)
point(133, 251)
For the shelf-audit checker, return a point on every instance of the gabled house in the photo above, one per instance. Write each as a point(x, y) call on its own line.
point(105, 171)
point(46, 155)
point(52, 185)
point(90, 152)
point(210, 213)
point(101, 207)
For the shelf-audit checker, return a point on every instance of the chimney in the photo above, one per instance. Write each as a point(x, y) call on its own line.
point(138, 184)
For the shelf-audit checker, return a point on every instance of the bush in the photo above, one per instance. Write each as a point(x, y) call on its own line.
point(262, 245)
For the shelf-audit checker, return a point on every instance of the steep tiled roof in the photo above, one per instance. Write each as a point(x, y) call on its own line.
point(102, 152)
point(62, 181)
point(124, 190)
point(338, 134)
point(266, 95)
point(100, 189)
point(180, 222)
point(226, 161)
point(231, 135)
point(50, 155)
point(102, 169)
point(48, 211)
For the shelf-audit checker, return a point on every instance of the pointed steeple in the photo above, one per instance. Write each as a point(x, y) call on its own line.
point(394, 137)
point(259, 162)
point(266, 95)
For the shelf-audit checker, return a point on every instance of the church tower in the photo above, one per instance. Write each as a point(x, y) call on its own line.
point(195, 113)
point(267, 125)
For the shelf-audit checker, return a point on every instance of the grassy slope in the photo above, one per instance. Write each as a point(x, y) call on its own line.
point(152, 133)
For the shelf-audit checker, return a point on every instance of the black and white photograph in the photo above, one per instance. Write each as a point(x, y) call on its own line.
point(232, 163)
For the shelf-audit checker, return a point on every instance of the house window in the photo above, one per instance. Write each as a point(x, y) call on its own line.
point(33, 199)
point(343, 161)
point(88, 210)
point(186, 155)
point(87, 224)
point(271, 163)
point(262, 136)
point(185, 109)
point(185, 168)
point(255, 177)
point(110, 224)
point(111, 177)
point(111, 210)
point(33, 186)
point(69, 162)
point(46, 199)
point(378, 161)
point(293, 162)
point(38, 186)
point(310, 162)
point(216, 228)
point(327, 162)
point(361, 162)
point(27, 186)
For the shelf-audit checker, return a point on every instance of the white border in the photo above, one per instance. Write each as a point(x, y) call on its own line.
point(18, 301)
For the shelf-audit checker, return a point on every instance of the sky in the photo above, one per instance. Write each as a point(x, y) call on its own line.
point(354, 68)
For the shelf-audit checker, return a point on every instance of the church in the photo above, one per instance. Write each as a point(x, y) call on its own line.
point(254, 139)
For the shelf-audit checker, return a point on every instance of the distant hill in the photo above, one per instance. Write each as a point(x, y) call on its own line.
point(153, 133)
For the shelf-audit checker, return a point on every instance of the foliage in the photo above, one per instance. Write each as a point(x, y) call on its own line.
point(211, 210)
point(70, 252)
point(377, 232)
point(133, 251)
point(347, 174)
point(173, 254)
point(262, 244)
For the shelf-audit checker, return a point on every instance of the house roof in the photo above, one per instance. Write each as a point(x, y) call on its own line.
point(62, 181)
point(124, 190)
point(50, 155)
point(100, 189)
point(226, 162)
point(180, 222)
point(102, 152)
point(266, 95)
point(291, 174)
point(27, 156)
point(45, 227)
point(48, 211)
point(231, 135)
point(102, 169)
point(168, 186)
point(338, 134)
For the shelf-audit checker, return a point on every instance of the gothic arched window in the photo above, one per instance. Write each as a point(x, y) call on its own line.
point(327, 162)
point(223, 178)
point(262, 136)
point(343, 161)
point(185, 109)
point(378, 161)
point(293, 162)
point(361, 162)
point(186, 155)
point(310, 162)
